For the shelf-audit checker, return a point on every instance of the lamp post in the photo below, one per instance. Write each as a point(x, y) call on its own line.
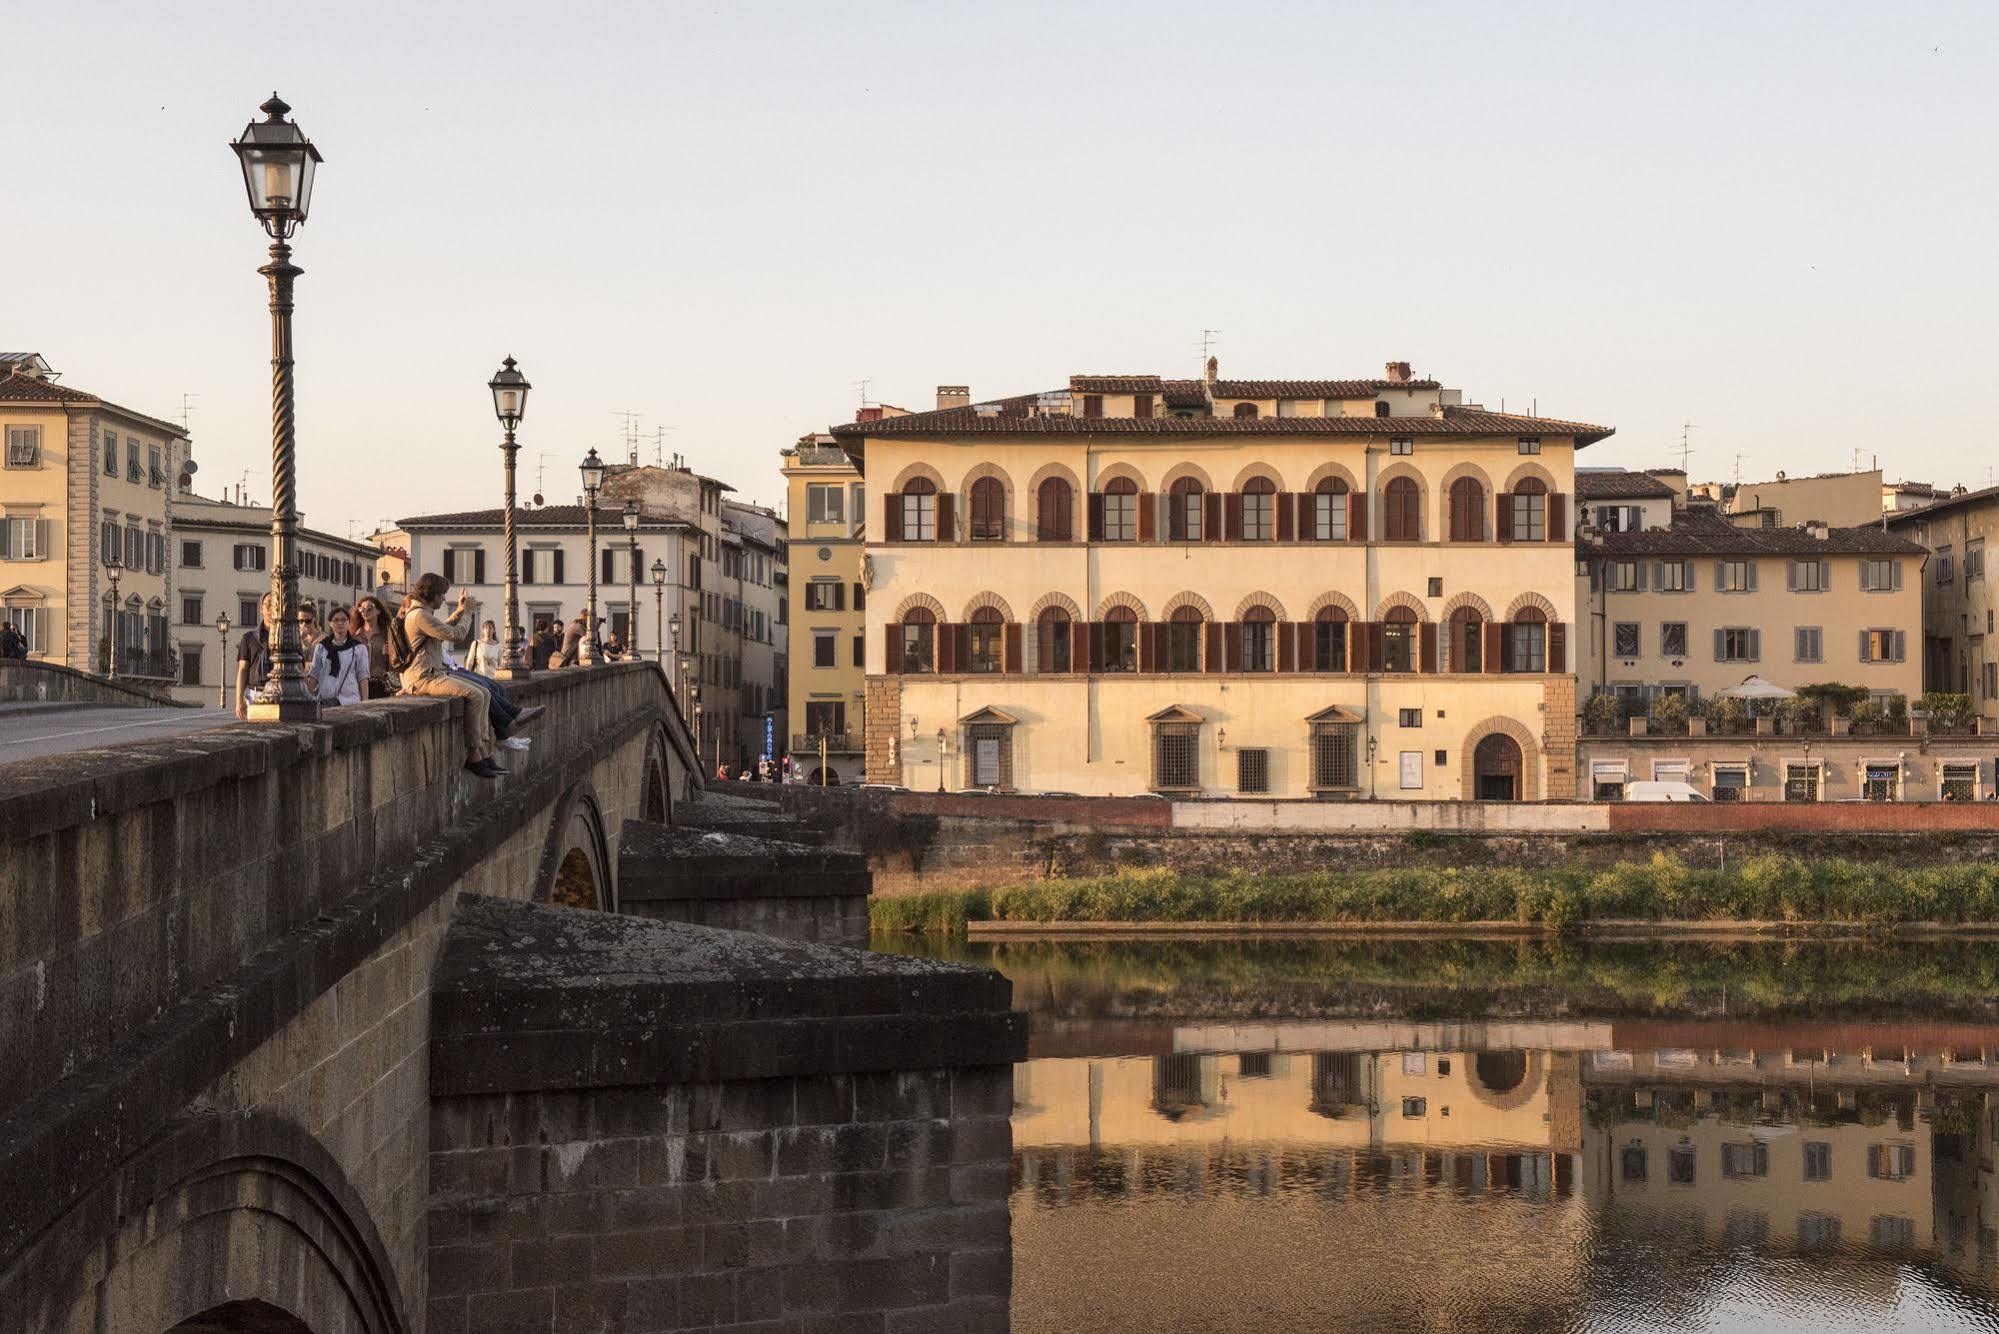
point(659, 614)
point(943, 742)
point(593, 477)
point(510, 405)
point(278, 164)
point(112, 569)
point(700, 734)
point(222, 660)
point(632, 578)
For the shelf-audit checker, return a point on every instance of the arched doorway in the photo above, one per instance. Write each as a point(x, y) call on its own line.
point(1496, 769)
point(575, 881)
point(251, 1317)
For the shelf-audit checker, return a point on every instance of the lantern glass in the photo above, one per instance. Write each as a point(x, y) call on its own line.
point(279, 163)
point(593, 472)
point(631, 516)
point(659, 573)
point(510, 394)
point(222, 623)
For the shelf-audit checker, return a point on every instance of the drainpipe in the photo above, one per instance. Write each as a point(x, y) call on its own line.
point(1373, 470)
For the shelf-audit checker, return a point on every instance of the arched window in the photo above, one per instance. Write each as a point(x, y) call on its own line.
point(1053, 642)
point(1380, 409)
point(1121, 640)
point(1402, 511)
point(1259, 510)
point(1121, 510)
point(1527, 641)
point(919, 511)
point(1329, 640)
point(1183, 514)
point(1329, 510)
point(1259, 640)
point(988, 637)
point(919, 640)
point(1464, 650)
point(1530, 510)
point(1398, 640)
point(1054, 519)
point(1467, 510)
point(1183, 640)
point(1245, 409)
point(988, 510)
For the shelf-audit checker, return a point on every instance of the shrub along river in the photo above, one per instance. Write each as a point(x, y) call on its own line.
point(1281, 1134)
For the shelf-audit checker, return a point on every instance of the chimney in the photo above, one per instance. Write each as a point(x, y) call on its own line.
point(868, 415)
point(1214, 369)
point(1398, 372)
point(954, 396)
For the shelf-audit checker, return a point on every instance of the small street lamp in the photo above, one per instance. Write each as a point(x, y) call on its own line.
point(593, 477)
point(700, 733)
point(112, 569)
point(222, 660)
point(943, 750)
point(510, 405)
point(278, 164)
point(632, 578)
point(659, 613)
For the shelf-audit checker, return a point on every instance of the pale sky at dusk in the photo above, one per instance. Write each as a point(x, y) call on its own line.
point(1775, 220)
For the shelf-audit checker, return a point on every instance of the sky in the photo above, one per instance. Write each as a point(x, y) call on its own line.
point(1774, 221)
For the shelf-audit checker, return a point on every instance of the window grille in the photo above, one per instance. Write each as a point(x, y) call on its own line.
point(1176, 757)
point(989, 755)
point(1252, 770)
point(1333, 767)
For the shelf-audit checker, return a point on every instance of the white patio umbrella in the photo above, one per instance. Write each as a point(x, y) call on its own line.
point(1756, 688)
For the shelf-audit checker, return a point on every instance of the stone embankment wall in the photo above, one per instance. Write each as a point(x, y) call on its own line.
point(916, 842)
point(28, 682)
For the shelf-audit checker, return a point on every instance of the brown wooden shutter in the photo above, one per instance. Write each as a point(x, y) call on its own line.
point(1495, 641)
point(1141, 405)
point(1096, 658)
point(1558, 647)
point(1214, 654)
point(1287, 513)
point(1307, 638)
point(1211, 516)
point(1044, 645)
point(947, 527)
point(1232, 517)
point(893, 661)
point(1011, 662)
point(479, 566)
point(1426, 648)
point(945, 643)
point(1505, 648)
point(1148, 516)
point(1232, 646)
point(1079, 646)
point(558, 565)
point(1287, 646)
point(1377, 648)
point(1504, 523)
point(1557, 517)
point(961, 653)
point(1357, 516)
point(1095, 507)
point(891, 517)
point(1148, 645)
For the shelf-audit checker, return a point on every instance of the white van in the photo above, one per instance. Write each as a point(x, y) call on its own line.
point(1665, 791)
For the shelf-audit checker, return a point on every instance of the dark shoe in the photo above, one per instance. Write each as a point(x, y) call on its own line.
point(484, 769)
point(528, 715)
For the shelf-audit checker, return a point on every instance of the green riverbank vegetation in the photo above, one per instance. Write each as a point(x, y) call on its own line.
point(1766, 888)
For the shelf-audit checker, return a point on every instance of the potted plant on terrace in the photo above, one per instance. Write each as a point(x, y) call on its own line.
point(1670, 713)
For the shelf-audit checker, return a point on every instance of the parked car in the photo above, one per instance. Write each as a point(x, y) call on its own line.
point(1662, 791)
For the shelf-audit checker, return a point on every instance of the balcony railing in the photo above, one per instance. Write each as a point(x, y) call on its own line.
point(837, 743)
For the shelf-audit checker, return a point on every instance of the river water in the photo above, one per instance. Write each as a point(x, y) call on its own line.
point(1276, 1135)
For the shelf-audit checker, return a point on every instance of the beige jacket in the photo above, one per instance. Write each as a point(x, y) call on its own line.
point(429, 633)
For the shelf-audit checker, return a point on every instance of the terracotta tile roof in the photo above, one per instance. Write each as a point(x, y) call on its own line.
point(1705, 533)
point(1620, 486)
point(16, 388)
point(546, 516)
point(1184, 394)
point(1944, 505)
point(1114, 384)
point(1013, 418)
point(1313, 388)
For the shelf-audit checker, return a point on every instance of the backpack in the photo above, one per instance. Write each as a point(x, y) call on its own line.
point(402, 653)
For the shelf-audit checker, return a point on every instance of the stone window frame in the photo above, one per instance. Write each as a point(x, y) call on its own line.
point(27, 439)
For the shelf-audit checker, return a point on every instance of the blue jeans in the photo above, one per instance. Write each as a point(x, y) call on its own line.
point(499, 709)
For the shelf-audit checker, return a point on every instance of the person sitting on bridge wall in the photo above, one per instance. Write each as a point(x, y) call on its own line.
point(425, 673)
point(253, 657)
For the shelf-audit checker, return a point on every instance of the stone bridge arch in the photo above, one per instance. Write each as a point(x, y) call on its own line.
point(225, 1223)
point(575, 867)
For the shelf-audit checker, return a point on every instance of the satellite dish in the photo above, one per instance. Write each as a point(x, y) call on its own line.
point(537, 497)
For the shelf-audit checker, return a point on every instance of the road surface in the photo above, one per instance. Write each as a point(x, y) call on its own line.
point(31, 733)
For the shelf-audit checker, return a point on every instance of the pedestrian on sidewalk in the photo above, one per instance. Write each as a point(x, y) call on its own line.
point(487, 652)
point(370, 623)
point(546, 645)
point(253, 657)
point(340, 662)
point(11, 643)
point(572, 645)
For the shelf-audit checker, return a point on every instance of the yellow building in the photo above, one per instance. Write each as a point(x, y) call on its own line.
point(1324, 588)
point(86, 485)
point(1960, 641)
point(827, 609)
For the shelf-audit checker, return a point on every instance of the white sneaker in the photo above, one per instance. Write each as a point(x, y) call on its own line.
point(517, 743)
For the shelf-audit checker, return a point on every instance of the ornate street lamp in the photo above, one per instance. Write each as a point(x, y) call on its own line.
point(222, 662)
point(942, 742)
point(700, 733)
point(510, 405)
point(658, 612)
point(278, 166)
point(593, 477)
point(112, 569)
point(632, 578)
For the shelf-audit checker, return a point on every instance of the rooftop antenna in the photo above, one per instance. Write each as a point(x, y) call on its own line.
point(659, 446)
point(861, 387)
point(1687, 448)
point(540, 465)
point(1209, 337)
point(1738, 467)
point(631, 435)
point(186, 408)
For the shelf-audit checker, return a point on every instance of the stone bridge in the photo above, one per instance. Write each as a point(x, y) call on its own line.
point(305, 1029)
